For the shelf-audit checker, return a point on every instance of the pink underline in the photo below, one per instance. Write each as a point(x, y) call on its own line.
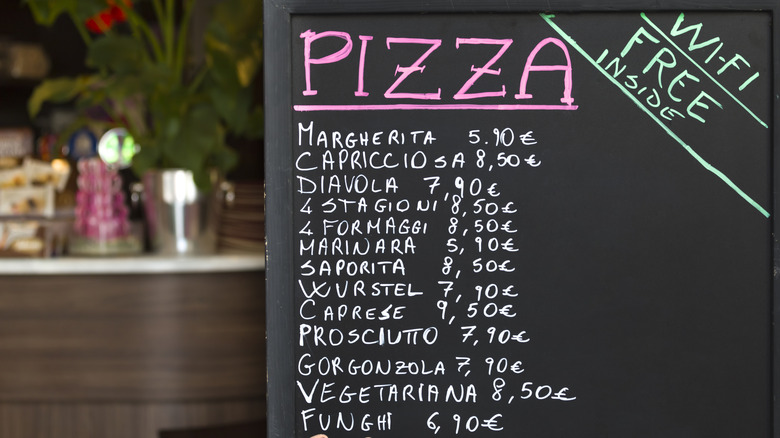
point(413, 106)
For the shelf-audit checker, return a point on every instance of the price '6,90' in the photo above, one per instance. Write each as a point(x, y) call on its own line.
point(471, 423)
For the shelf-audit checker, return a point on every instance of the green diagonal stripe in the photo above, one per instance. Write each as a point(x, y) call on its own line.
point(704, 163)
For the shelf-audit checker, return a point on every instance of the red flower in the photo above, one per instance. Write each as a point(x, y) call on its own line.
point(101, 22)
point(117, 12)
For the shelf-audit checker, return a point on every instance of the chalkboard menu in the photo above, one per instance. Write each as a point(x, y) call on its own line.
point(492, 220)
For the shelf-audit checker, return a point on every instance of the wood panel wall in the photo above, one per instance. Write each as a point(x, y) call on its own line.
point(129, 355)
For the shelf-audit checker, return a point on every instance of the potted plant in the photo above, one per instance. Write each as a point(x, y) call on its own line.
point(143, 79)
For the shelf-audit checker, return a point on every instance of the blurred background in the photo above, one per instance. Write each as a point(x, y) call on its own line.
point(113, 321)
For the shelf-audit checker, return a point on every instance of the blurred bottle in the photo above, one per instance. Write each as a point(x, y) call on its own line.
point(23, 61)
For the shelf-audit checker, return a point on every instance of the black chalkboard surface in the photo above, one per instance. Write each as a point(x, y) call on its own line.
point(503, 219)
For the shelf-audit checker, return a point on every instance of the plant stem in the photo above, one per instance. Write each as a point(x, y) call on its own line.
point(160, 14)
point(158, 11)
point(169, 28)
point(137, 22)
point(116, 118)
point(198, 79)
point(152, 39)
point(81, 30)
point(134, 27)
point(181, 46)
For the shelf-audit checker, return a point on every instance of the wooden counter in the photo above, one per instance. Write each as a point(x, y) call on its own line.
point(132, 265)
point(128, 347)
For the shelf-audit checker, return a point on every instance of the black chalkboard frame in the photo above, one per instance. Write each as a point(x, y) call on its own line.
point(279, 165)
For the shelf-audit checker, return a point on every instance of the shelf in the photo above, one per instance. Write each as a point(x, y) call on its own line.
point(147, 264)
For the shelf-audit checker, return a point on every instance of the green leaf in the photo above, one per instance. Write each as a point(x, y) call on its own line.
point(237, 23)
point(46, 12)
point(255, 124)
point(234, 41)
point(85, 8)
point(232, 107)
point(224, 159)
point(195, 136)
point(146, 159)
point(118, 53)
point(202, 179)
point(57, 90)
point(224, 71)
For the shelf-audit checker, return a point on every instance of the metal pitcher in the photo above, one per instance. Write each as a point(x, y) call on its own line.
point(180, 218)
